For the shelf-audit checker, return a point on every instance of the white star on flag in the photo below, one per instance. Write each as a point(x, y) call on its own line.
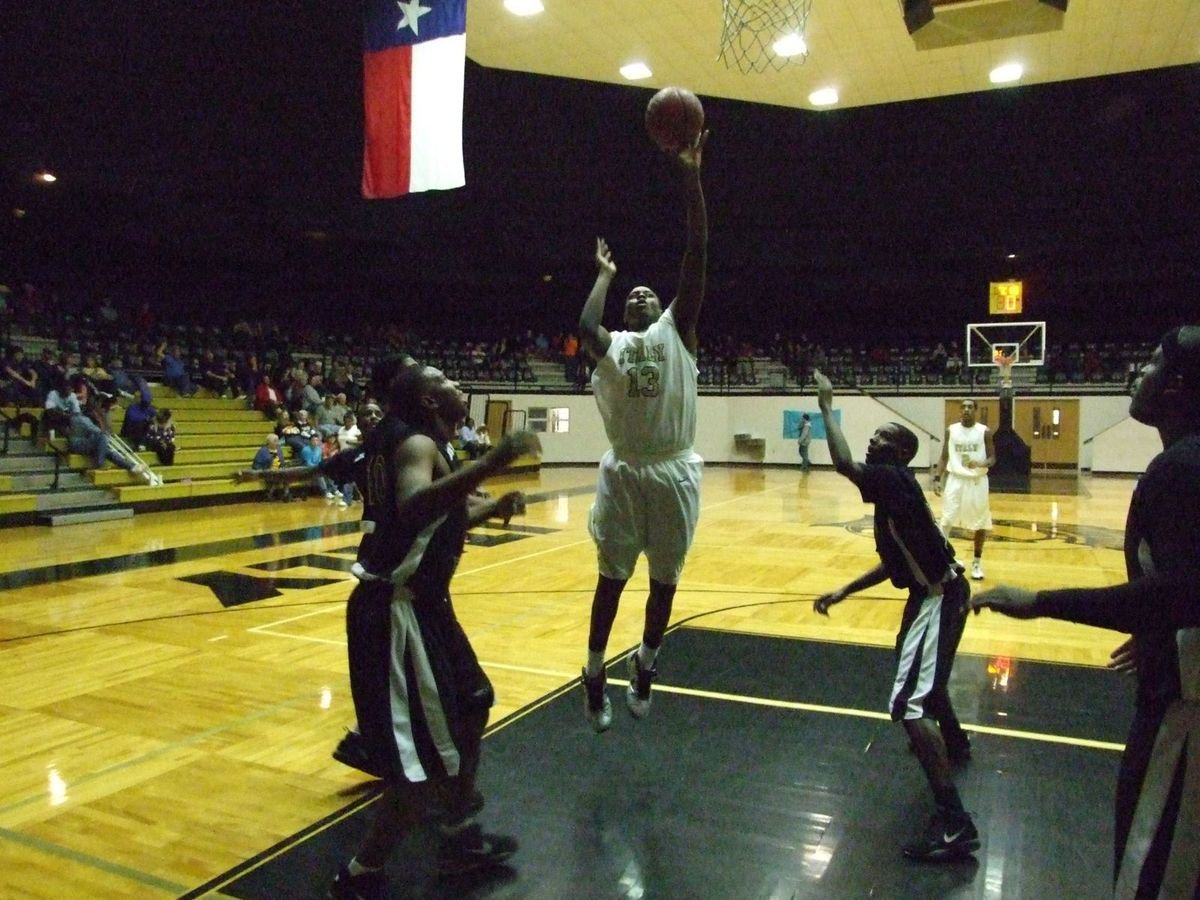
point(410, 15)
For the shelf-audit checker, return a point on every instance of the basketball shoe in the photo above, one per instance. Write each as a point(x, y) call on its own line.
point(596, 705)
point(977, 570)
point(637, 695)
point(367, 886)
point(352, 751)
point(948, 836)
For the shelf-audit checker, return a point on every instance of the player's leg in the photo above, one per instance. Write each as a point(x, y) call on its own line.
point(672, 490)
point(613, 524)
point(977, 515)
point(928, 632)
point(951, 502)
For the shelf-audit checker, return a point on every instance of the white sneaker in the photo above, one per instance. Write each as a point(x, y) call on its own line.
point(342, 504)
point(977, 570)
point(329, 495)
point(637, 694)
point(597, 708)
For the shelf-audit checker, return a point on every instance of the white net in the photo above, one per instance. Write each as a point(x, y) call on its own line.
point(757, 35)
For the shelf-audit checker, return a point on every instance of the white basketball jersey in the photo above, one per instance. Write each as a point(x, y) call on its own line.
point(645, 388)
point(968, 442)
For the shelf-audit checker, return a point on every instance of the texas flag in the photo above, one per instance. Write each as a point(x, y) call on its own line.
point(413, 60)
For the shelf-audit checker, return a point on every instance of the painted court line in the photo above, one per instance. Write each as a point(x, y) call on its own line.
point(94, 862)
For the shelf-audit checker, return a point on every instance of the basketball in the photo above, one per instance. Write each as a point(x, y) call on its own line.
point(674, 118)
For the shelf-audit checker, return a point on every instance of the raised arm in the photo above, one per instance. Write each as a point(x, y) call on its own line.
point(686, 305)
point(839, 450)
point(594, 336)
point(1154, 601)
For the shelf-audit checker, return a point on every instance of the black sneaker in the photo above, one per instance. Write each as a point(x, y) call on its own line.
point(352, 751)
point(947, 837)
point(637, 695)
point(597, 708)
point(471, 849)
point(367, 886)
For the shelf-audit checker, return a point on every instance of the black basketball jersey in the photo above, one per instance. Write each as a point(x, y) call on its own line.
point(423, 557)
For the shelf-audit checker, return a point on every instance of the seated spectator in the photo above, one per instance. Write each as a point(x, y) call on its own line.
point(266, 398)
point(483, 438)
point(297, 434)
point(269, 455)
point(348, 436)
point(21, 379)
point(161, 437)
point(99, 376)
point(126, 385)
point(46, 368)
point(174, 370)
point(214, 377)
point(468, 440)
point(329, 417)
point(89, 435)
point(138, 417)
point(60, 405)
point(313, 395)
point(313, 454)
point(267, 460)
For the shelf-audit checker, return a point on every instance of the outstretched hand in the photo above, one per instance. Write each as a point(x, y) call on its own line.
point(604, 258)
point(1017, 603)
point(824, 388)
point(509, 505)
point(821, 604)
point(689, 157)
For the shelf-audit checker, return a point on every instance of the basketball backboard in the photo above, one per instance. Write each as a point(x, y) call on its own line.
point(1026, 341)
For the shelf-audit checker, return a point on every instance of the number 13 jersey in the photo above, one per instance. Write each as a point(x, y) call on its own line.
point(645, 388)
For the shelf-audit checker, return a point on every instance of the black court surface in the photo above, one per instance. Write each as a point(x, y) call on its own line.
point(766, 769)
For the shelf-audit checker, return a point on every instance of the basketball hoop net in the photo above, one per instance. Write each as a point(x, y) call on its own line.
point(763, 34)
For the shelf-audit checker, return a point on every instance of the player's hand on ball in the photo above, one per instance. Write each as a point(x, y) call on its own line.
point(1017, 603)
point(1124, 658)
point(824, 388)
point(821, 604)
point(604, 258)
point(689, 157)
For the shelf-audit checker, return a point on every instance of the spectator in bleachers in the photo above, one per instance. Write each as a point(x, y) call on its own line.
point(107, 318)
point(174, 370)
point(313, 395)
point(269, 455)
point(468, 439)
point(160, 437)
point(213, 375)
point(99, 376)
point(266, 398)
point(349, 435)
point(329, 416)
point(123, 383)
point(90, 430)
point(138, 417)
point(312, 454)
point(58, 408)
point(47, 367)
point(954, 361)
point(299, 433)
point(483, 438)
point(21, 379)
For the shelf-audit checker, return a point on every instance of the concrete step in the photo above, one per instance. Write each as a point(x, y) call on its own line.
point(25, 463)
point(66, 501)
point(85, 516)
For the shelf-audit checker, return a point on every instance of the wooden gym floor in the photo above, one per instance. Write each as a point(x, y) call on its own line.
point(173, 684)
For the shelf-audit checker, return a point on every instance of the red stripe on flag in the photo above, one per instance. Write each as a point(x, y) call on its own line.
point(387, 122)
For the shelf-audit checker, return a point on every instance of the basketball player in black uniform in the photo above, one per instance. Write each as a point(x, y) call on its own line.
point(1157, 846)
point(421, 697)
point(914, 554)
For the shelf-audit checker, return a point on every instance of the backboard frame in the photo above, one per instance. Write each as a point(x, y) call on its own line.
point(983, 338)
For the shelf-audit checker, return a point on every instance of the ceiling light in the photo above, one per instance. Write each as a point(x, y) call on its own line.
point(524, 7)
point(1011, 256)
point(823, 97)
point(636, 71)
point(46, 177)
point(790, 45)
point(1006, 73)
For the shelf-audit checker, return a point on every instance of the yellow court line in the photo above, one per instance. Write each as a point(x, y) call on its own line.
point(317, 612)
point(516, 559)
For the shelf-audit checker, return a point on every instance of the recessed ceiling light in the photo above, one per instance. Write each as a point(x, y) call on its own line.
point(524, 7)
point(790, 45)
point(823, 97)
point(1006, 73)
point(1011, 256)
point(46, 177)
point(636, 71)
